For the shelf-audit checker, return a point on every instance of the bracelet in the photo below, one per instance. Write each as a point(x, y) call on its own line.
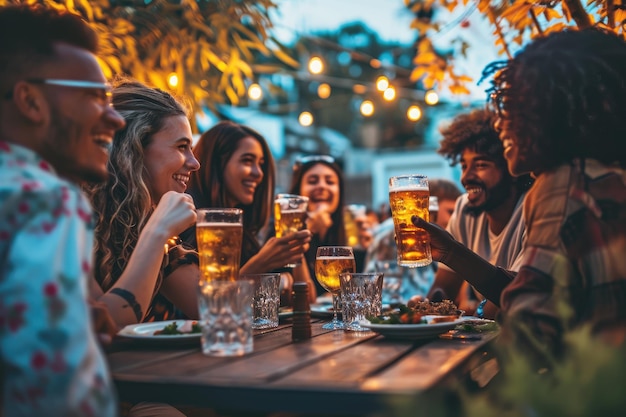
point(480, 310)
point(130, 299)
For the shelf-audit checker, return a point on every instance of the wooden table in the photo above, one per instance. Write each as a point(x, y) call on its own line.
point(333, 373)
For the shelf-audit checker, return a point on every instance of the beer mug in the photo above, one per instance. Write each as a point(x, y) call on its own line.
point(350, 213)
point(408, 196)
point(219, 233)
point(290, 213)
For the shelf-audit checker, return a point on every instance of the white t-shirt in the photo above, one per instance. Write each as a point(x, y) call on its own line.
point(503, 250)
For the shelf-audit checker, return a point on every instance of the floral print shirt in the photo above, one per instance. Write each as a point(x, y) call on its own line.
point(50, 361)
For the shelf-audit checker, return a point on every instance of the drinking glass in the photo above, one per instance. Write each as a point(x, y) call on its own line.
point(219, 233)
point(350, 213)
point(361, 297)
point(408, 196)
point(225, 309)
point(392, 284)
point(290, 213)
point(330, 261)
point(266, 299)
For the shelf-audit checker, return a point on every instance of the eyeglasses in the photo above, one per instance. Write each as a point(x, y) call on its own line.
point(104, 90)
point(496, 103)
point(311, 159)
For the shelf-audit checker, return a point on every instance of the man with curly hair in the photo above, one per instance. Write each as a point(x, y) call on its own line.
point(561, 107)
point(488, 218)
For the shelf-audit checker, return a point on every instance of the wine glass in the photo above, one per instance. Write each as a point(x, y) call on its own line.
point(330, 261)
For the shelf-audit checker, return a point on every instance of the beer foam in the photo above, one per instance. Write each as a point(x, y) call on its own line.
point(217, 224)
point(333, 258)
point(408, 188)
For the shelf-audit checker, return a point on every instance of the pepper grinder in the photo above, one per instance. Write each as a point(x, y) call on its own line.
point(301, 329)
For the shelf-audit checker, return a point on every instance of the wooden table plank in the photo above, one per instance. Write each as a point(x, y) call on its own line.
point(335, 372)
point(272, 359)
point(423, 368)
point(349, 367)
point(152, 360)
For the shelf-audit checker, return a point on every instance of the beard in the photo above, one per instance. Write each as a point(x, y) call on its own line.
point(62, 149)
point(496, 195)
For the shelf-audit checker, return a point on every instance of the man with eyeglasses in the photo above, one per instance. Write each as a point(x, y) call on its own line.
point(56, 126)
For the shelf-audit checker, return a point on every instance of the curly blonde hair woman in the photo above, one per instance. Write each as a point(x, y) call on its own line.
point(142, 206)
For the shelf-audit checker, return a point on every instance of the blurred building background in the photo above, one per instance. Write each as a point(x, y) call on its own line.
point(353, 98)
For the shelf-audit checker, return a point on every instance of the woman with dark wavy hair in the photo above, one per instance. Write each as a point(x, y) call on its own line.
point(237, 171)
point(142, 207)
point(320, 178)
point(561, 108)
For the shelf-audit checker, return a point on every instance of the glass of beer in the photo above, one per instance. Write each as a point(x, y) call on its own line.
point(290, 213)
point(350, 213)
point(330, 261)
point(219, 232)
point(408, 196)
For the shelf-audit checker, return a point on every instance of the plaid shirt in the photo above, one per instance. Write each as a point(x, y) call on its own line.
point(574, 266)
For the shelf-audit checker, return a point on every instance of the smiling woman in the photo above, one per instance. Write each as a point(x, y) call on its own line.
point(320, 178)
point(140, 209)
point(237, 171)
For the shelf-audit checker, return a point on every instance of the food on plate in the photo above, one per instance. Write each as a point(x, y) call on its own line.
point(443, 319)
point(442, 308)
point(445, 311)
point(478, 326)
point(188, 327)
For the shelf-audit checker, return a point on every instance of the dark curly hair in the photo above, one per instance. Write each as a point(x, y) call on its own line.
point(475, 131)
point(564, 97)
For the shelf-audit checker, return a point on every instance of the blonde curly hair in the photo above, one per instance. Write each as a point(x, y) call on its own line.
point(123, 203)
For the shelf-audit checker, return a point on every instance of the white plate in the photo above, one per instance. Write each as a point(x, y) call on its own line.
point(145, 331)
point(412, 331)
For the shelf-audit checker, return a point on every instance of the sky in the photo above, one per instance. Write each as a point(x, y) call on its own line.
point(387, 17)
point(392, 23)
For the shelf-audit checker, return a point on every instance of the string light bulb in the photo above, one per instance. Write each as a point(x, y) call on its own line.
point(316, 65)
point(323, 91)
point(255, 92)
point(431, 97)
point(390, 93)
point(414, 113)
point(172, 80)
point(382, 83)
point(305, 119)
point(367, 108)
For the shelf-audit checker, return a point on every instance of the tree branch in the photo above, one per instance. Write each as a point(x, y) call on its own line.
point(578, 13)
point(610, 13)
point(493, 20)
point(535, 21)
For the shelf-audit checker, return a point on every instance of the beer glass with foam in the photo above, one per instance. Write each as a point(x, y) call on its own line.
point(408, 196)
point(290, 213)
point(219, 232)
